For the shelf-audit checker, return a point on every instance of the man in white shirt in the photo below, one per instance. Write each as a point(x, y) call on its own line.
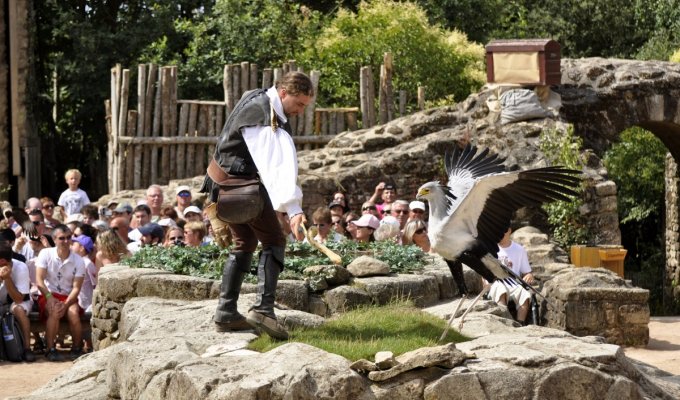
point(512, 255)
point(59, 277)
point(15, 285)
point(256, 143)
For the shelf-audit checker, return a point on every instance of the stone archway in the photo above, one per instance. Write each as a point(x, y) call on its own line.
point(603, 97)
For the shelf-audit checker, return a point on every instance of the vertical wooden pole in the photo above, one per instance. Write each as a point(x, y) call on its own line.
point(113, 162)
point(122, 126)
point(309, 111)
point(141, 114)
point(181, 148)
point(245, 77)
point(402, 103)
point(191, 152)
point(386, 96)
point(173, 121)
point(341, 121)
point(148, 123)
point(156, 130)
point(278, 74)
point(166, 88)
point(129, 149)
point(253, 76)
point(236, 88)
point(352, 121)
point(421, 98)
point(109, 136)
point(267, 75)
point(202, 130)
point(227, 83)
point(213, 111)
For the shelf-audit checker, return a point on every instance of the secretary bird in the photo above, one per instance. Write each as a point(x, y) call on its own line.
point(470, 214)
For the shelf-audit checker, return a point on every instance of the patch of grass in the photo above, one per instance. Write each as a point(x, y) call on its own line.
point(397, 327)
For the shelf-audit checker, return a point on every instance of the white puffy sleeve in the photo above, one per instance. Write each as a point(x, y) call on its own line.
point(276, 159)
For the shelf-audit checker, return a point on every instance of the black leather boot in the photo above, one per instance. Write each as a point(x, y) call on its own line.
point(261, 315)
point(227, 318)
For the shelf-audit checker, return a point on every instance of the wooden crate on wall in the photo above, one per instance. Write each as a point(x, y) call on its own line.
point(524, 62)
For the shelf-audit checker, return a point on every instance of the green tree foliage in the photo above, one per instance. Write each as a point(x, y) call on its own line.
point(636, 164)
point(423, 54)
point(564, 148)
point(264, 32)
point(477, 18)
point(78, 42)
point(663, 19)
point(584, 28)
point(640, 189)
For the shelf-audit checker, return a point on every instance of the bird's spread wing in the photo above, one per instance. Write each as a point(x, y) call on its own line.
point(464, 167)
point(486, 197)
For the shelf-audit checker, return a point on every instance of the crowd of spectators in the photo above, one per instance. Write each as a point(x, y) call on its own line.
point(51, 253)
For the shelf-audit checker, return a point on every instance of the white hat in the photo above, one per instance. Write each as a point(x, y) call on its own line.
point(416, 205)
point(192, 209)
point(77, 217)
point(367, 220)
point(182, 188)
point(166, 222)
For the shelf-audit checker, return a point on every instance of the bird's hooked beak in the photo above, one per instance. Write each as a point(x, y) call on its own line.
point(422, 192)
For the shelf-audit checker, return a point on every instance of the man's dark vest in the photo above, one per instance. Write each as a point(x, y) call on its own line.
point(231, 152)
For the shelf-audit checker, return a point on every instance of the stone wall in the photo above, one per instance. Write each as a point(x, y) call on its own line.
point(594, 301)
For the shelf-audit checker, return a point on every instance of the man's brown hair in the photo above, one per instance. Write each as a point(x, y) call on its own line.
point(296, 83)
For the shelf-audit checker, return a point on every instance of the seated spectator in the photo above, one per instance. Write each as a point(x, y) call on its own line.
point(154, 199)
point(336, 208)
point(90, 213)
point(84, 246)
point(123, 210)
point(8, 236)
point(384, 194)
point(365, 226)
point(183, 199)
point(388, 229)
point(339, 226)
point(48, 211)
point(513, 256)
point(340, 197)
point(59, 277)
point(121, 226)
point(415, 232)
point(110, 249)
point(174, 237)
point(152, 235)
point(351, 228)
point(59, 214)
point(140, 217)
point(321, 219)
point(400, 211)
point(15, 285)
point(370, 208)
point(194, 232)
point(416, 210)
point(193, 213)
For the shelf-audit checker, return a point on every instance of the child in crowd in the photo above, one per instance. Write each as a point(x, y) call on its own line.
point(73, 198)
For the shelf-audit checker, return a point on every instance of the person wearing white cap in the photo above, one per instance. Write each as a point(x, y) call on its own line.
point(183, 197)
point(416, 210)
point(366, 225)
point(193, 213)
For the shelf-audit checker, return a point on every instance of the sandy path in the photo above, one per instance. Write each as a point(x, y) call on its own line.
point(662, 352)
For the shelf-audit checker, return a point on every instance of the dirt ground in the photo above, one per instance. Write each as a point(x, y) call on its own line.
point(662, 352)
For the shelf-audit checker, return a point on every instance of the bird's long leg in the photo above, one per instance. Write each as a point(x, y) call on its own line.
point(482, 293)
point(448, 325)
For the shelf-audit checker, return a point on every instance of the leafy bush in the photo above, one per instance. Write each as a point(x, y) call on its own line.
point(208, 261)
point(424, 55)
point(564, 148)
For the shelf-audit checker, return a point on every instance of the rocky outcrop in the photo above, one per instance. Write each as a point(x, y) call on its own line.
point(594, 301)
point(171, 351)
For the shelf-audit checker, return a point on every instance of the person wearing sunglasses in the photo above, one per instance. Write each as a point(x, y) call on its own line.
point(48, 207)
point(174, 237)
point(183, 198)
point(365, 226)
point(370, 208)
point(415, 232)
point(323, 222)
point(59, 276)
point(400, 211)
